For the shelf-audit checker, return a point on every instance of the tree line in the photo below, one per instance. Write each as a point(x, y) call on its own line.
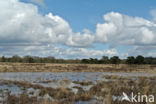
point(104, 60)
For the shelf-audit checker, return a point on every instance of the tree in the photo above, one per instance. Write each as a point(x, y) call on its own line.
point(29, 59)
point(130, 60)
point(3, 59)
point(115, 60)
point(150, 60)
point(105, 59)
point(93, 61)
point(85, 61)
point(16, 58)
point(139, 59)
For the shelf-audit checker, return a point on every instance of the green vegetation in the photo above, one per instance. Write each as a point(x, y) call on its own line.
point(104, 60)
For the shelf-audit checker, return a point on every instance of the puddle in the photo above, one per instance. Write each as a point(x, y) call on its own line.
point(13, 89)
point(55, 80)
point(73, 76)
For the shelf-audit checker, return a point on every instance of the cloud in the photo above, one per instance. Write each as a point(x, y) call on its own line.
point(87, 53)
point(23, 29)
point(126, 30)
point(58, 52)
point(153, 13)
point(21, 23)
point(143, 50)
point(40, 2)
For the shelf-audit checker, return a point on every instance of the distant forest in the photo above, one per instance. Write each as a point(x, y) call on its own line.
point(104, 60)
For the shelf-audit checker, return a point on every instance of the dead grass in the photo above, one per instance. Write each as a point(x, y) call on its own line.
point(83, 83)
point(106, 90)
point(35, 67)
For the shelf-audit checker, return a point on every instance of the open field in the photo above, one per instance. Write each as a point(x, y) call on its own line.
point(27, 67)
point(22, 83)
point(73, 88)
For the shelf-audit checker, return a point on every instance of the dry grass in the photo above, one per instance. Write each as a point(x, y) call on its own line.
point(101, 91)
point(83, 83)
point(26, 67)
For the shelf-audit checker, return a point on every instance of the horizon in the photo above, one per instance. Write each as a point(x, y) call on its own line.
point(78, 29)
point(99, 58)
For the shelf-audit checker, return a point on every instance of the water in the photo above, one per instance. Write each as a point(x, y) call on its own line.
point(73, 76)
point(53, 80)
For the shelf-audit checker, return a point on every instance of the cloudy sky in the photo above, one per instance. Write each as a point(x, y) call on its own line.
point(78, 28)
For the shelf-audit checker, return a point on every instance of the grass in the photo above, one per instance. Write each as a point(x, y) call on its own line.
point(35, 67)
point(100, 91)
point(83, 83)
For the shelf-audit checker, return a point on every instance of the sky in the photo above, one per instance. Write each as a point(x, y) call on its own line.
point(78, 28)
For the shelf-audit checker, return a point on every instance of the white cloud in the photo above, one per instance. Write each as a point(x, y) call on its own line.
point(143, 50)
point(21, 23)
point(23, 26)
point(87, 53)
point(58, 52)
point(40, 2)
point(126, 30)
point(153, 13)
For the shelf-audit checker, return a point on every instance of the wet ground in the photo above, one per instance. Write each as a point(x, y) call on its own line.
point(75, 81)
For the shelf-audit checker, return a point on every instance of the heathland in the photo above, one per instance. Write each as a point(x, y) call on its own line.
point(47, 67)
point(76, 82)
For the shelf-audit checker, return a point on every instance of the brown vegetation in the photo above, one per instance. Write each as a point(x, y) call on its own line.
point(100, 92)
point(36, 67)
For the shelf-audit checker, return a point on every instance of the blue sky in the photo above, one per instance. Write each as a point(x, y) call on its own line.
point(78, 28)
point(90, 12)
